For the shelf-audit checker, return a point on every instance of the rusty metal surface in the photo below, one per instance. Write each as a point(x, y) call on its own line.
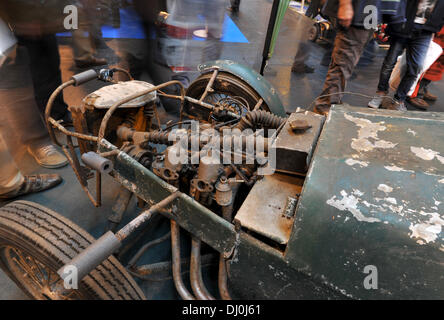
point(80, 126)
point(374, 197)
point(263, 211)
point(296, 141)
point(189, 214)
point(254, 79)
point(105, 97)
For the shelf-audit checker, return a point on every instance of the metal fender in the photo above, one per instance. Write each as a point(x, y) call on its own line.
point(264, 88)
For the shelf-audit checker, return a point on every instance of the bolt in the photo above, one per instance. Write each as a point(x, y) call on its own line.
point(299, 125)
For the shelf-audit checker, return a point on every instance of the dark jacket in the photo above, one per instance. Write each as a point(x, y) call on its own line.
point(385, 7)
point(401, 24)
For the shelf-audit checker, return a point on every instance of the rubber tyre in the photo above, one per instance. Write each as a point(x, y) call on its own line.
point(314, 32)
point(54, 240)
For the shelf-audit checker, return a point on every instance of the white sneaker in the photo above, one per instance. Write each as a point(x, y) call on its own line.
point(376, 102)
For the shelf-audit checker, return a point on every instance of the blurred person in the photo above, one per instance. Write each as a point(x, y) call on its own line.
point(234, 6)
point(88, 36)
point(349, 44)
point(420, 20)
point(314, 8)
point(14, 184)
point(187, 18)
point(35, 24)
point(434, 73)
point(21, 122)
point(214, 13)
point(299, 65)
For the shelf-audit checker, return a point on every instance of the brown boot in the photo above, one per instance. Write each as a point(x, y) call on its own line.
point(395, 105)
point(418, 103)
point(429, 97)
point(34, 183)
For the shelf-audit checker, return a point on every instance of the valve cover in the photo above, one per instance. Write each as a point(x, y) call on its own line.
point(105, 97)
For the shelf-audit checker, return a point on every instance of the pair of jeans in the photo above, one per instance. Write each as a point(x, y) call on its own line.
point(416, 49)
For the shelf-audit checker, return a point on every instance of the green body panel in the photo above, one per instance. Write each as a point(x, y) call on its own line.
point(372, 196)
point(258, 271)
point(252, 78)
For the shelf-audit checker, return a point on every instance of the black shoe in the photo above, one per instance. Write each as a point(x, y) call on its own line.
point(302, 69)
point(34, 183)
point(90, 62)
point(233, 9)
point(418, 103)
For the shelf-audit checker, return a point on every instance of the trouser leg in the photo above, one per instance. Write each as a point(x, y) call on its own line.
point(214, 16)
point(347, 50)
point(423, 86)
point(416, 52)
point(10, 176)
point(396, 47)
point(21, 122)
point(82, 45)
point(302, 54)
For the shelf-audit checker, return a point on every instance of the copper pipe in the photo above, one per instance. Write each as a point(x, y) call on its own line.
point(177, 274)
point(123, 71)
point(196, 280)
point(111, 153)
point(70, 133)
point(209, 85)
point(223, 276)
point(49, 108)
point(145, 216)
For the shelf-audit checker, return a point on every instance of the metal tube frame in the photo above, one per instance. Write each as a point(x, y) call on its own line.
point(110, 150)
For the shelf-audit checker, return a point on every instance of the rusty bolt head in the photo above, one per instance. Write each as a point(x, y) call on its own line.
point(299, 125)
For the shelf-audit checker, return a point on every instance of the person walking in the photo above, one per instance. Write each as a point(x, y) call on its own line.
point(234, 6)
point(420, 20)
point(434, 73)
point(20, 95)
point(352, 36)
